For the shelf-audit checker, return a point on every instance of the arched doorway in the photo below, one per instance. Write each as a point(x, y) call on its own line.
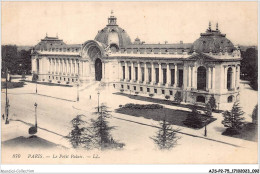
point(201, 78)
point(98, 69)
point(229, 78)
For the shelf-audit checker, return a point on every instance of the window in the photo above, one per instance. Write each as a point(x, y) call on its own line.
point(49, 77)
point(155, 91)
point(150, 74)
point(72, 80)
point(136, 73)
point(163, 91)
point(122, 86)
point(201, 99)
point(230, 99)
point(68, 79)
point(128, 87)
point(180, 78)
point(164, 76)
point(56, 78)
point(60, 78)
point(124, 72)
point(142, 70)
point(157, 75)
point(201, 78)
point(148, 89)
point(172, 76)
point(229, 78)
point(130, 74)
point(141, 88)
point(64, 79)
point(134, 88)
point(170, 92)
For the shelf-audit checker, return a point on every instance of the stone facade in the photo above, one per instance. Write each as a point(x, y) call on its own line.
point(209, 66)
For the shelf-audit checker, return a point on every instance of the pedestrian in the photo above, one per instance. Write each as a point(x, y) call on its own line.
point(3, 116)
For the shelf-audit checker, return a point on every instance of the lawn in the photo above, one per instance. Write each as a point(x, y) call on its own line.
point(174, 117)
point(248, 132)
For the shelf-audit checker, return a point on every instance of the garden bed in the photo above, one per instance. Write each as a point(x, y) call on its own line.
point(248, 132)
point(174, 117)
point(11, 85)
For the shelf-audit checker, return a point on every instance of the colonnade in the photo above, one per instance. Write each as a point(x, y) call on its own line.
point(147, 73)
point(64, 66)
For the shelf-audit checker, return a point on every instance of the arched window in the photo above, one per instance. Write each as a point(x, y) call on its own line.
point(114, 48)
point(230, 99)
point(229, 78)
point(201, 99)
point(201, 78)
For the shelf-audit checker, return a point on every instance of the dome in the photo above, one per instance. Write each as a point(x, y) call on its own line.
point(112, 35)
point(213, 41)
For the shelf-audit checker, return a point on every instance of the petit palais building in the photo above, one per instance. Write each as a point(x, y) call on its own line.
point(208, 66)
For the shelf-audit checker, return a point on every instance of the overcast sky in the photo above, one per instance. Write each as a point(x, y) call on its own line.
point(25, 23)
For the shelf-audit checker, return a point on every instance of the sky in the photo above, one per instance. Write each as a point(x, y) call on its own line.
point(26, 23)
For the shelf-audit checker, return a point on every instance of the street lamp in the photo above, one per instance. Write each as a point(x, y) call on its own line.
point(35, 105)
point(77, 91)
point(98, 100)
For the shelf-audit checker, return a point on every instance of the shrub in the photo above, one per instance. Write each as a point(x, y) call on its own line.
point(50, 81)
point(121, 90)
point(208, 110)
point(193, 119)
point(233, 119)
point(178, 97)
point(255, 115)
point(212, 102)
point(139, 106)
point(151, 95)
point(59, 82)
point(136, 93)
point(167, 97)
point(67, 83)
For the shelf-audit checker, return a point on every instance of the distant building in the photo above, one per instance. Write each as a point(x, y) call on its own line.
point(209, 66)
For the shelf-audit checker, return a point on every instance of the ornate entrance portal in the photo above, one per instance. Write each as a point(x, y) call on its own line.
point(98, 70)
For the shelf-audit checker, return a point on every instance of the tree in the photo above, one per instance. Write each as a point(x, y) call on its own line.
point(178, 97)
point(233, 119)
point(102, 131)
point(212, 102)
point(80, 135)
point(165, 137)
point(255, 115)
point(167, 97)
point(193, 119)
point(249, 67)
point(208, 110)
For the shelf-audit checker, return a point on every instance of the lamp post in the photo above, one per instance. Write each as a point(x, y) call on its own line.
point(77, 91)
point(35, 105)
point(98, 100)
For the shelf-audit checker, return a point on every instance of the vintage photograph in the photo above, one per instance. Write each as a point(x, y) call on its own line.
point(129, 82)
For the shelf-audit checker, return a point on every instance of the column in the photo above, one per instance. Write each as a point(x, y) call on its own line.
point(168, 75)
point(146, 73)
point(238, 75)
point(50, 66)
point(194, 77)
point(55, 68)
point(132, 72)
point(189, 84)
point(209, 78)
point(175, 75)
point(68, 66)
point(153, 72)
point(71, 66)
point(160, 74)
point(139, 72)
point(213, 78)
point(233, 77)
point(225, 78)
